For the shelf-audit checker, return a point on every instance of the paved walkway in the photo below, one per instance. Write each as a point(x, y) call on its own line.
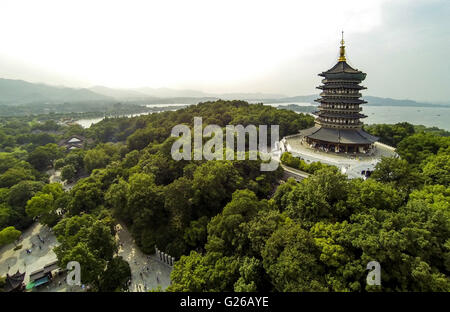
point(12, 260)
point(294, 173)
point(55, 177)
point(146, 270)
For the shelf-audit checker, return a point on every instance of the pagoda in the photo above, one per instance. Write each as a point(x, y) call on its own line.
point(338, 126)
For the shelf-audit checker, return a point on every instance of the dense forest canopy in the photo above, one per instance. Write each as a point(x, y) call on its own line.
point(230, 226)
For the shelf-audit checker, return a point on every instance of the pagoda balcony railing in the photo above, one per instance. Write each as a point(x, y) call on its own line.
point(351, 86)
point(340, 101)
point(340, 95)
point(338, 125)
point(334, 109)
point(344, 117)
point(330, 81)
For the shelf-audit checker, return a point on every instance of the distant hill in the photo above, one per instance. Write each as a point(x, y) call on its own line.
point(248, 96)
point(299, 98)
point(371, 100)
point(168, 93)
point(118, 93)
point(379, 101)
point(19, 92)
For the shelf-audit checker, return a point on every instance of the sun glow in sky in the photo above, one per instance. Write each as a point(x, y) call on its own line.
point(225, 46)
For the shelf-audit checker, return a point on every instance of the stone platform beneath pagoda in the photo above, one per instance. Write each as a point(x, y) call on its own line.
point(351, 164)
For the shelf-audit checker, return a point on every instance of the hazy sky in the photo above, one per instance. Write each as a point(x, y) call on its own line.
point(228, 46)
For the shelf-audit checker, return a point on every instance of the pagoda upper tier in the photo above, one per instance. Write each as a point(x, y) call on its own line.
point(340, 97)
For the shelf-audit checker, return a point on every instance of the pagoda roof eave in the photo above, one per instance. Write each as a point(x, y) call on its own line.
point(340, 101)
point(339, 136)
point(337, 115)
point(341, 85)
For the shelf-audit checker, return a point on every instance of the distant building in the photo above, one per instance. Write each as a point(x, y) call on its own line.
point(338, 126)
point(74, 142)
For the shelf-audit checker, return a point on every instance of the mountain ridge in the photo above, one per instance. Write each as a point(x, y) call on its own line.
point(19, 92)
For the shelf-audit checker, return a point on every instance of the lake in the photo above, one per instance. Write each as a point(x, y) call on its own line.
point(427, 116)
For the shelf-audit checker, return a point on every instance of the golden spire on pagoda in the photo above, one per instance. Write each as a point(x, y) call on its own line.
point(342, 50)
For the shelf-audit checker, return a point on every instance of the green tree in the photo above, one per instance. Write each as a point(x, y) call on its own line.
point(95, 158)
point(42, 205)
point(196, 234)
point(196, 273)
point(7, 161)
point(291, 259)
point(59, 163)
point(117, 197)
point(261, 227)
point(212, 186)
point(146, 207)
point(13, 176)
point(321, 196)
point(89, 240)
point(92, 267)
point(391, 134)
point(43, 156)
point(116, 276)
point(226, 232)
point(250, 275)
point(68, 173)
point(101, 240)
point(420, 146)
point(373, 194)
point(178, 204)
point(397, 171)
point(9, 235)
point(437, 169)
point(86, 196)
point(5, 215)
point(409, 244)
